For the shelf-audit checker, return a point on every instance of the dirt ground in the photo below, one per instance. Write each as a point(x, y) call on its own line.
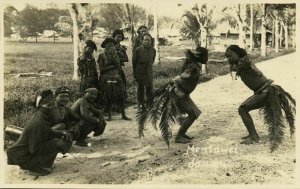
point(219, 158)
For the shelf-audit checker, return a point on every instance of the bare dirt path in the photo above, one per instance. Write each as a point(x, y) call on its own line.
point(121, 158)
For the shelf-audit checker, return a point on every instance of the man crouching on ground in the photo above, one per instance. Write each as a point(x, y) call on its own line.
point(91, 118)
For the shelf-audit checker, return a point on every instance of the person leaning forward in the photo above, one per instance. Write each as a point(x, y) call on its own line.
point(38, 145)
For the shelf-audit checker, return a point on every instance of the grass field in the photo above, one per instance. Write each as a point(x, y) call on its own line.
point(57, 58)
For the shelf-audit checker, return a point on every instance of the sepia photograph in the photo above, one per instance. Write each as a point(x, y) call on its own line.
point(149, 94)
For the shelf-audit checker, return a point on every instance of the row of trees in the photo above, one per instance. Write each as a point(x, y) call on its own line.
point(80, 20)
point(31, 21)
point(248, 18)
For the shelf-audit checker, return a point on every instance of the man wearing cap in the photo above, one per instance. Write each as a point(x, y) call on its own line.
point(91, 118)
point(63, 118)
point(38, 145)
point(142, 64)
point(111, 82)
point(87, 66)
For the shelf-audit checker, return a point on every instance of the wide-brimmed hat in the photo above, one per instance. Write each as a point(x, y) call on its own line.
point(118, 32)
point(106, 41)
point(92, 44)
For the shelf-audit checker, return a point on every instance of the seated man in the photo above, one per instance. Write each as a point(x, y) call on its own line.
point(38, 145)
point(91, 118)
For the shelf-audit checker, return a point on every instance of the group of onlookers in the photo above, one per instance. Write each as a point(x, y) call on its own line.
point(54, 126)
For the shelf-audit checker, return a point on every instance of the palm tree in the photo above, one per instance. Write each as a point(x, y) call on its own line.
point(191, 28)
point(237, 14)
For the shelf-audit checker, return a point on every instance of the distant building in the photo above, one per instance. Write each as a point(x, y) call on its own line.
point(49, 34)
point(168, 35)
point(100, 32)
point(226, 35)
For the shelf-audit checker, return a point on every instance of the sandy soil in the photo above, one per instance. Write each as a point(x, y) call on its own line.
point(121, 158)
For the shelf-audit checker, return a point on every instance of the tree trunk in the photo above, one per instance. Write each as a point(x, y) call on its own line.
point(251, 27)
point(273, 34)
point(36, 38)
point(280, 36)
point(241, 18)
point(286, 36)
point(156, 36)
point(80, 12)
point(263, 32)
point(75, 40)
point(276, 35)
point(130, 21)
point(294, 35)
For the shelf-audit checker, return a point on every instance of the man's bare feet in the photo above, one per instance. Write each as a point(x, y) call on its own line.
point(250, 140)
point(187, 137)
point(245, 137)
point(181, 139)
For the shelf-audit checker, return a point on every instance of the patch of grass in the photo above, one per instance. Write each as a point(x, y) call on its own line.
point(20, 93)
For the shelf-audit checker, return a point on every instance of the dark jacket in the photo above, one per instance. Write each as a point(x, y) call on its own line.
point(35, 142)
point(142, 63)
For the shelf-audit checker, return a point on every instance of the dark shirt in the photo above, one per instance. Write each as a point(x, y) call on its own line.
point(35, 134)
point(142, 63)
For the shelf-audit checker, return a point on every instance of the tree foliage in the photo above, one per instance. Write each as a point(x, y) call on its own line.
point(114, 16)
point(64, 26)
point(9, 16)
point(31, 21)
point(28, 22)
point(50, 16)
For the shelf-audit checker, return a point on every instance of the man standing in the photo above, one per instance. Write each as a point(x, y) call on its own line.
point(142, 63)
point(91, 118)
